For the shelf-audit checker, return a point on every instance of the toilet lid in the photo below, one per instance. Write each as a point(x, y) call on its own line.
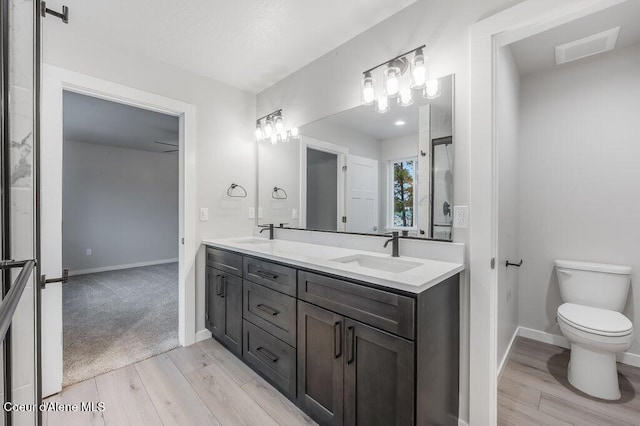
point(595, 320)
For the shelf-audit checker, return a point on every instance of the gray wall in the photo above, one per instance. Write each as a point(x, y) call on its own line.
point(121, 203)
point(579, 175)
point(322, 190)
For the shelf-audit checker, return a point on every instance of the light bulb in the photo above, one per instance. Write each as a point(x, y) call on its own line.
point(294, 132)
point(432, 90)
point(259, 133)
point(382, 105)
point(392, 85)
point(268, 127)
point(274, 138)
point(405, 98)
point(418, 71)
point(279, 124)
point(368, 93)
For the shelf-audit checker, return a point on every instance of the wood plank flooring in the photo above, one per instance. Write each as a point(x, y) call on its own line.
point(203, 384)
point(534, 390)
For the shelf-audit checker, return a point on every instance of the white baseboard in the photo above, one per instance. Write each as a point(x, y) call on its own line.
point(203, 335)
point(118, 267)
point(627, 358)
point(505, 357)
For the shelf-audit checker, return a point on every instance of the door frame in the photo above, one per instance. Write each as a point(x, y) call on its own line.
point(341, 152)
point(55, 81)
point(485, 38)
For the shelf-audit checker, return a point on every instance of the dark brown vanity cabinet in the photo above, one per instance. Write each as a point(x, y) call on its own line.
point(347, 353)
point(353, 374)
point(223, 307)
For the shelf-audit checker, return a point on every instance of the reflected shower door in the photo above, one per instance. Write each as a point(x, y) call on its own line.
point(442, 188)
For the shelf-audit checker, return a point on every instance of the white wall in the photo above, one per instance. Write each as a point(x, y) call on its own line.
point(579, 177)
point(121, 203)
point(508, 105)
point(358, 143)
point(332, 84)
point(225, 123)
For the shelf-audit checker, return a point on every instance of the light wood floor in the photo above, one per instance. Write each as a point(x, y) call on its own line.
point(203, 384)
point(534, 390)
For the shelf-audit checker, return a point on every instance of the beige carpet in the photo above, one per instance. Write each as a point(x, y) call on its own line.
point(116, 318)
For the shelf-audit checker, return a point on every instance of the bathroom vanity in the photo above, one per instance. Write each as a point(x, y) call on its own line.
point(351, 337)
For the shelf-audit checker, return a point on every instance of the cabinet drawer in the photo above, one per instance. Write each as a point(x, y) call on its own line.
point(270, 310)
point(382, 309)
point(224, 261)
point(272, 275)
point(273, 358)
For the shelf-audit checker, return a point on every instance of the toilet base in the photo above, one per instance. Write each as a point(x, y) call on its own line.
point(594, 372)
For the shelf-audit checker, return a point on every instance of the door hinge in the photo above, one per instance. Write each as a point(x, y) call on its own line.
point(344, 219)
point(493, 263)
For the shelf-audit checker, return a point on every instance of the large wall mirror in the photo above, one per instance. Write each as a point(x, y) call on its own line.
point(365, 172)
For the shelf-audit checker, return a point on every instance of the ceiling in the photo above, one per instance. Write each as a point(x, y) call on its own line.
point(97, 121)
point(365, 120)
point(537, 53)
point(248, 44)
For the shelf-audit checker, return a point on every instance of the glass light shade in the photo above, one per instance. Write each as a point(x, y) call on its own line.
point(268, 127)
point(294, 132)
point(405, 98)
point(274, 138)
point(368, 92)
point(382, 105)
point(259, 133)
point(418, 71)
point(391, 84)
point(432, 89)
point(279, 124)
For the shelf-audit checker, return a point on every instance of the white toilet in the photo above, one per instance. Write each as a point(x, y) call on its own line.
point(594, 296)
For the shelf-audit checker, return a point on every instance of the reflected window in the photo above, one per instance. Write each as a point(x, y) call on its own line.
point(403, 190)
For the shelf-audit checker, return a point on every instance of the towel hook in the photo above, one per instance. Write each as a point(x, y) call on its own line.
point(277, 196)
point(234, 186)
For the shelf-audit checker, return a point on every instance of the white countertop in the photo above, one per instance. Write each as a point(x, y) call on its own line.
point(319, 258)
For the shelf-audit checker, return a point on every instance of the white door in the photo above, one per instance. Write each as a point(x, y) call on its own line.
point(51, 236)
point(361, 208)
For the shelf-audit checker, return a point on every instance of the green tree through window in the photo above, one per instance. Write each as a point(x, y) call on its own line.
point(403, 189)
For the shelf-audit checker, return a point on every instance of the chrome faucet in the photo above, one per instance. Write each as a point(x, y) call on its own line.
point(269, 227)
point(395, 240)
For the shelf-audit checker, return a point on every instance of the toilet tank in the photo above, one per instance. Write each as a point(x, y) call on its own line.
point(593, 284)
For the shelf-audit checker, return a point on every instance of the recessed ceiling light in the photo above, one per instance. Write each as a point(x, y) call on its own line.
point(400, 123)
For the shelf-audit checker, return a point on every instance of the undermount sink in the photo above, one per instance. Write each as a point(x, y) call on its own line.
point(378, 263)
point(253, 241)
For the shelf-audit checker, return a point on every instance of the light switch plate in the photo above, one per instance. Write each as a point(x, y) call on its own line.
point(204, 214)
point(460, 216)
point(252, 212)
point(88, 252)
point(294, 213)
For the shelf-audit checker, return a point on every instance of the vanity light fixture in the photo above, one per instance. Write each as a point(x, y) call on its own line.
point(394, 84)
point(271, 126)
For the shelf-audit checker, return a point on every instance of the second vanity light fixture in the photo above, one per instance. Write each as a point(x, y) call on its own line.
point(395, 85)
point(271, 126)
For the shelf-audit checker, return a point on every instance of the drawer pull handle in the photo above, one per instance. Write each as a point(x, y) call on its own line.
point(267, 354)
point(337, 339)
point(265, 275)
point(351, 337)
point(267, 309)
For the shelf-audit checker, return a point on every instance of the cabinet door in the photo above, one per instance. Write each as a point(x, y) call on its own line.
point(320, 363)
point(224, 309)
point(378, 377)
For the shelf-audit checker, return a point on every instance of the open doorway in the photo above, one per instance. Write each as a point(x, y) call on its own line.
point(120, 235)
point(322, 182)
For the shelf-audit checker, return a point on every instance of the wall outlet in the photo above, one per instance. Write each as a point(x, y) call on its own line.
point(294, 213)
point(460, 216)
point(88, 252)
point(204, 214)
point(252, 212)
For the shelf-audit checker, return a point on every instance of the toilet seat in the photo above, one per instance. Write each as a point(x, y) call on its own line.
point(596, 321)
